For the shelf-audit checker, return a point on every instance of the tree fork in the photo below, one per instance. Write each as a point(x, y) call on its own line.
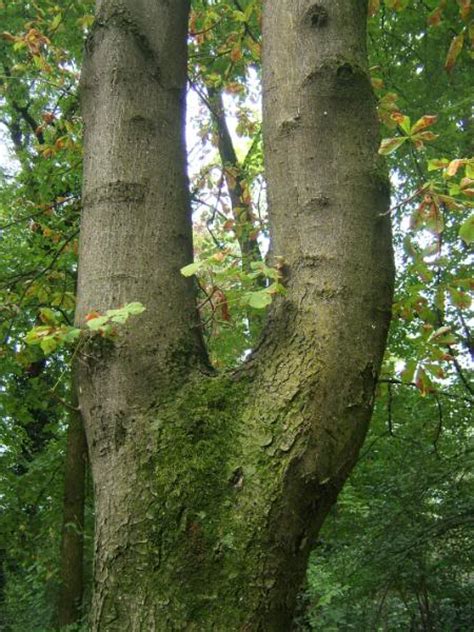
point(210, 488)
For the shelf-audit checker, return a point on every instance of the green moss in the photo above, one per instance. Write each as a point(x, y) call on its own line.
point(193, 481)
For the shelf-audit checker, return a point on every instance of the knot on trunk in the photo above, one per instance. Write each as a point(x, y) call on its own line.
point(316, 16)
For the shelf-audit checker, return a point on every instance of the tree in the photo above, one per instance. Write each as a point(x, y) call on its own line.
point(209, 487)
point(407, 563)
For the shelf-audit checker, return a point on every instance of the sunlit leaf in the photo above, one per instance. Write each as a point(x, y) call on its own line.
point(388, 145)
point(191, 269)
point(466, 232)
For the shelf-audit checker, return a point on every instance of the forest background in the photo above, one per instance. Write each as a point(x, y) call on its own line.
point(396, 551)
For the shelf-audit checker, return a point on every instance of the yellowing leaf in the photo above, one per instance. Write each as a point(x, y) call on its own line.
point(464, 9)
point(423, 123)
point(388, 145)
point(403, 121)
point(398, 5)
point(453, 53)
point(423, 382)
point(9, 37)
point(236, 54)
point(454, 166)
point(374, 7)
point(434, 18)
point(437, 163)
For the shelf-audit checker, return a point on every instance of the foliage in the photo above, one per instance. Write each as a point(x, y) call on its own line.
point(396, 553)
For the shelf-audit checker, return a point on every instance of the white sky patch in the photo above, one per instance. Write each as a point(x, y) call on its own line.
point(8, 163)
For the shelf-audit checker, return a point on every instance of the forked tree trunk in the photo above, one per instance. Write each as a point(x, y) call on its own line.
point(210, 488)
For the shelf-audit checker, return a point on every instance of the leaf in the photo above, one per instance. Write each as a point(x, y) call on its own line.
point(423, 382)
point(56, 21)
point(441, 331)
point(464, 9)
point(398, 5)
point(409, 371)
point(120, 318)
point(466, 232)
point(454, 166)
point(71, 335)
point(403, 121)
point(8, 37)
point(47, 316)
point(48, 345)
point(374, 7)
point(423, 123)
point(434, 18)
point(388, 145)
point(95, 324)
point(191, 269)
point(35, 335)
point(453, 53)
point(86, 21)
point(236, 54)
point(459, 298)
point(259, 300)
point(419, 138)
point(437, 163)
point(135, 308)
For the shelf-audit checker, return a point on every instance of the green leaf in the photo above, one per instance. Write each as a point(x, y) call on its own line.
point(459, 298)
point(436, 163)
point(56, 21)
point(71, 335)
point(466, 232)
point(259, 300)
point(48, 344)
point(35, 335)
point(191, 269)
point(47, 316)
point(97, 323)
point(409, 371)
point(135, 308)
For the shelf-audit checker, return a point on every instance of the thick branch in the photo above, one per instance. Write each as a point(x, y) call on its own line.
point(241, 205)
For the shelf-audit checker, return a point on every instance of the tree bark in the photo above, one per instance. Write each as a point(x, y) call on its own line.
point(72, 541)
point(210, 488)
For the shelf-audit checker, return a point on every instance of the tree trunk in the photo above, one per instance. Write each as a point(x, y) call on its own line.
point(72, 541)
point(210, 488)
point(241, 206)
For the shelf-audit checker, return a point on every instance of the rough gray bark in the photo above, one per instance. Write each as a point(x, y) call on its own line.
point(210, 488)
